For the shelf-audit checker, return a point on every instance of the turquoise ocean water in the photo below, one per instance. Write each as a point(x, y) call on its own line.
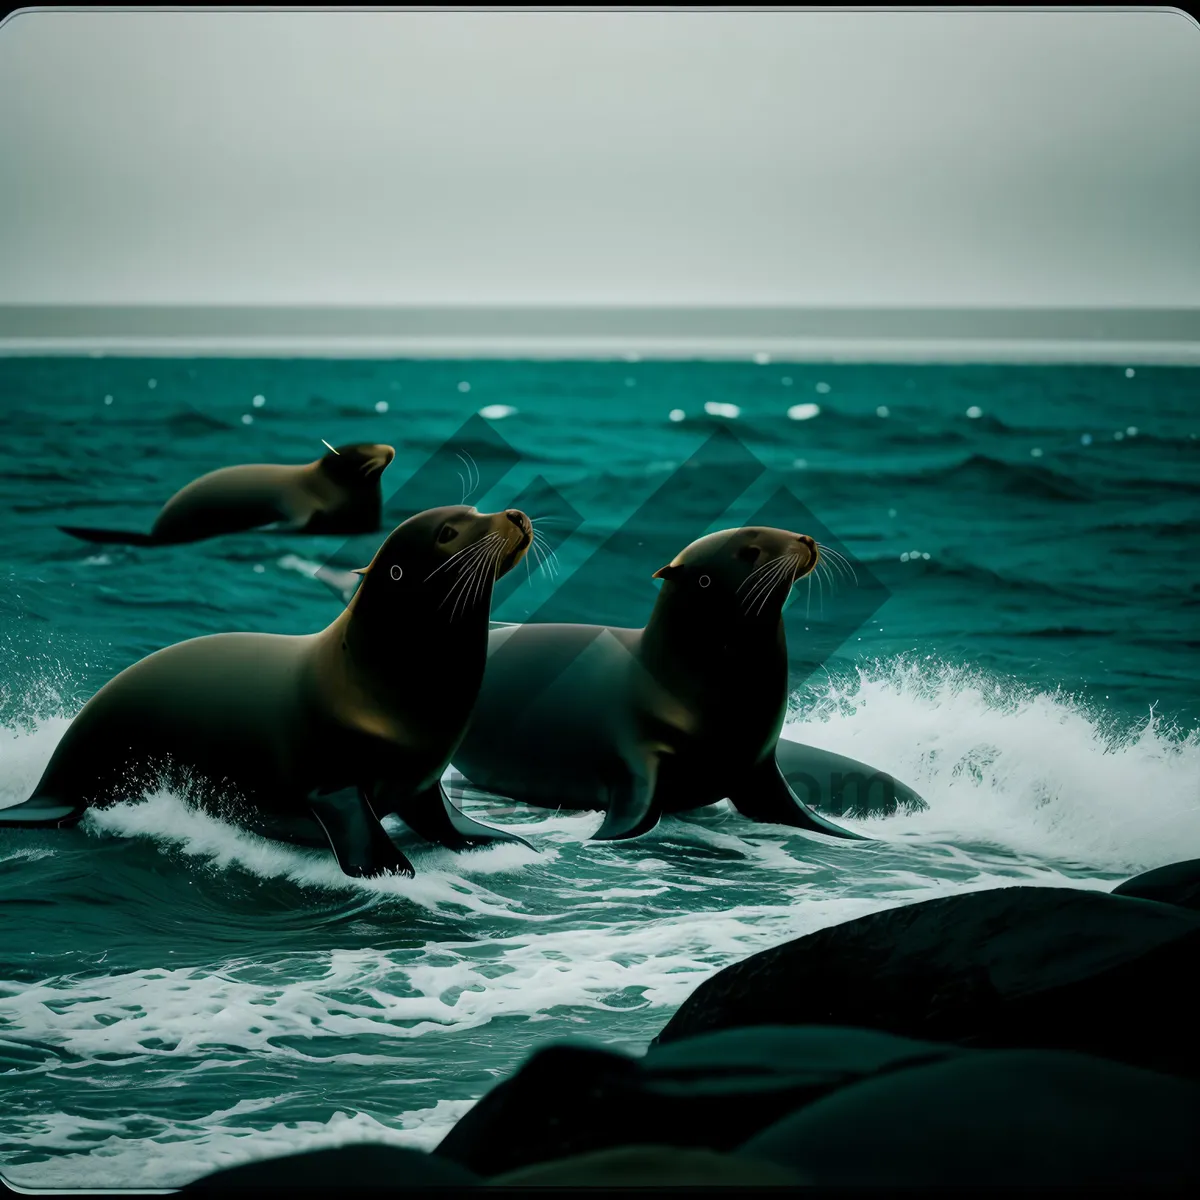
point(176, 995)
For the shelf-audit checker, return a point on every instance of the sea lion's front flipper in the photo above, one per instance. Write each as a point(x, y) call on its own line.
point(431, 814)
point(631, 808)
point(359, 842)
point(764, 795)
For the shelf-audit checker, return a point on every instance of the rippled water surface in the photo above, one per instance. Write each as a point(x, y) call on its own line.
point(177, 995)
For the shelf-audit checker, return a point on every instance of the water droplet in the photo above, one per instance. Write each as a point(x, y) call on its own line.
point(1131, 431)
point(883, 411)
point(800, 463)
point(1086, 439)
point(259, 401)
point(464, 386)
point(1118, 436)
point(715, 408)
point(1129, 372)
point(152, 384)
point(974, 412)
point(630, 381)
point(676, 414)
point(786, 381)
point(259, 568)
point(803, 412)
point(633, 356)
point(904, 557)
point(381, 406)
point(247, 419)
point(1036, 452)
point(891, 512)
point(495, 412)
point(107, 399)
point(924, 555)
point(762, 359)
point(824, 388)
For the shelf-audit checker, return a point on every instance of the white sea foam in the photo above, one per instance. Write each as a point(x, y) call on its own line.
point(146, 1150)
point(1022, 787)
point(1035, 772)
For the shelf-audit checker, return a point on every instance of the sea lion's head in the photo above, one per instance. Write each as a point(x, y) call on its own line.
point(739, 573)
point(445, 560)
point(358, 464)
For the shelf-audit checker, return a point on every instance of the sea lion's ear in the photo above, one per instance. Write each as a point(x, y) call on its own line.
point(670, 571)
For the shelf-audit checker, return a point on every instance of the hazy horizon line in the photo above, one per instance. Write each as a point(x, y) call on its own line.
point(829, 333)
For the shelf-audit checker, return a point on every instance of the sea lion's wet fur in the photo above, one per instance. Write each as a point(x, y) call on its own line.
point(637, 722)
point(339, 493)
point(315, 734)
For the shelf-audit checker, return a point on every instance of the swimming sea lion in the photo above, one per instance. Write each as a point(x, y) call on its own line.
point(339, 493)
point(678, 715)
point(312, 738)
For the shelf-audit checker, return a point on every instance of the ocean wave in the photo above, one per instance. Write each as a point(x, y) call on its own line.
point(1042, 773)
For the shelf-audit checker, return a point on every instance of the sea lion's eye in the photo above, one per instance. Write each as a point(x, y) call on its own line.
point(749, 554)
point(704, 581)
point(448, 534)
point(397, 571)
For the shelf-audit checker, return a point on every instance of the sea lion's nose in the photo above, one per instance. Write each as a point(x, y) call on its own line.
point(806, 542)
point(518, 518)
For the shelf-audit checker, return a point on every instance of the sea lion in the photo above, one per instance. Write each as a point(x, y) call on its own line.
point(312, 738)
point(338, 493)
point(678, 715)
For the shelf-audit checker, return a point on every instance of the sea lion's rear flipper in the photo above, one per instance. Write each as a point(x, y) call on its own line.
point(121, 537)
point(842, 786)
point(764, 795)
point(631, 810)
point(41, 812)
point(431, 814)
point(359, 842)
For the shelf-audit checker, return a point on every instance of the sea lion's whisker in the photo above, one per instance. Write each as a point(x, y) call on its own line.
point(550, 556)
point(838, 559)
point(808, 599)
point(766, 582)
point(757, 571)
point(471, 482)
point(466, 568)
point(472, 546)
point(462, 584)
point(784, 563)
point(325, 443)
point(537, 553)
point(485, 570)
point(472, 465)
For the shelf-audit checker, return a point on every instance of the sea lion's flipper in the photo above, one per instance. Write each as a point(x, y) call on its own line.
point(122, 537)
point(41, 812)
point(431, 814)
point(843, 786)
point(631, 808)
point(764, 795)
point(359, 842)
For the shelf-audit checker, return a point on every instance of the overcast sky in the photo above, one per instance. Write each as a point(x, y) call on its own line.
point(601, 157)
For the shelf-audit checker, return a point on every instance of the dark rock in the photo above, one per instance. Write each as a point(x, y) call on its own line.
point(1019, 967)
point(1178, 883)
point(342, 1168)
point(1002, 1117)
point(710, 1092)
point(652, 1166)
